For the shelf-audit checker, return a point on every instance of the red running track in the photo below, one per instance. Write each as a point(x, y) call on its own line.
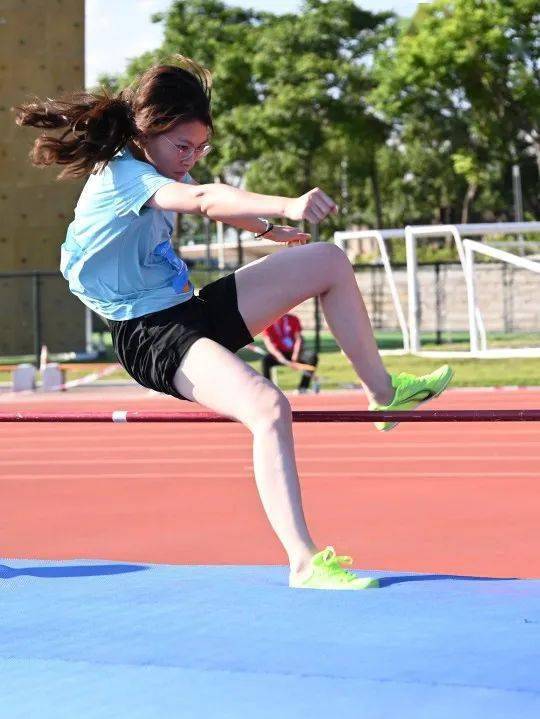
point(448, 498)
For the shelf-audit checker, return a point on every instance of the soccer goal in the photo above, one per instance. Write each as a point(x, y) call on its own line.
point(464, 288)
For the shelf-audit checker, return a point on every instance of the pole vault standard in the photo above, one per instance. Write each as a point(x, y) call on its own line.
point(122, 416)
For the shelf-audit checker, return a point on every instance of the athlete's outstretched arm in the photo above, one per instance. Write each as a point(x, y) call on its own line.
point(234, 206)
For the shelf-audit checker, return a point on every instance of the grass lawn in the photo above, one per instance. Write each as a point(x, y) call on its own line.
point(335, 370)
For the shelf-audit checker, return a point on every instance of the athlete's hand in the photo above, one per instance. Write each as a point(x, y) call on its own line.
point(314, 206)
point(288, 235)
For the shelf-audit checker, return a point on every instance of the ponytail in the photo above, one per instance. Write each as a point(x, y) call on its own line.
point(97, 127)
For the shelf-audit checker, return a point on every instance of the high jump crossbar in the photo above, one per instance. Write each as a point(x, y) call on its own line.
point(123, 416)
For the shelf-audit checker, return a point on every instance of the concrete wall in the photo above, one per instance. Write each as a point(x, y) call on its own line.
point(41, 54)
point(507, 297)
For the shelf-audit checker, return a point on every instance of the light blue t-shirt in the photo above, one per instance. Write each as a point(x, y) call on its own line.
point(117, 256)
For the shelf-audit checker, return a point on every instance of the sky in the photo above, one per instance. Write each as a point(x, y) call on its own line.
point(117, 30)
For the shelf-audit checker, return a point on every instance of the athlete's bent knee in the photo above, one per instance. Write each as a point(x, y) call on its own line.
point(333, 257)
point(270, 407)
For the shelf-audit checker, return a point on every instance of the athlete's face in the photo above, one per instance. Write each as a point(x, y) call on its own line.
point(173, 153)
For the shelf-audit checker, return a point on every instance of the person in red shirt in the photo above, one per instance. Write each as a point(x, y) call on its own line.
point(285, 345)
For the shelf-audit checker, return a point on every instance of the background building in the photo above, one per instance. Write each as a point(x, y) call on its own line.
point(42, 54)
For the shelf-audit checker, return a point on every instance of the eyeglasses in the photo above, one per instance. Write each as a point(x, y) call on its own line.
point(187, 151)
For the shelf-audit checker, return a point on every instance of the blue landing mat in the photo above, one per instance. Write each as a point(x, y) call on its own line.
point(105, 640)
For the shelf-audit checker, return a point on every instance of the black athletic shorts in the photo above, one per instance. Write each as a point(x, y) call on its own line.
point(151, 347)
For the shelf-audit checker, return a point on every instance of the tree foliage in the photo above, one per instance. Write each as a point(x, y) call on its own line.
point(466, 75)
point(400, 121)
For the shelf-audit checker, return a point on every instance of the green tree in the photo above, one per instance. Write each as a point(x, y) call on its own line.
point(465, 75)
point(289, 94)
point(313, 125)
point(220, 38)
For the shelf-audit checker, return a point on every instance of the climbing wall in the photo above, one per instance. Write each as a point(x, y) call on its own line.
point(41, 54)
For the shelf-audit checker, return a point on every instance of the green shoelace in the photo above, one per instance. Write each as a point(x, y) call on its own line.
point(332, 562)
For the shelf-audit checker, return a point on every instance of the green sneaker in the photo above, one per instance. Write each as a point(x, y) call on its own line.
point(412, 391)
point(329, 574)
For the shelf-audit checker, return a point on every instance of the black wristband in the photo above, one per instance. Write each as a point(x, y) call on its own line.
point(269, 228)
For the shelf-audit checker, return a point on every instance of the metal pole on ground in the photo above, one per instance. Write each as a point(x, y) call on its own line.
point(438, 304)
point(239, 249)
point(88, 330)
point(518, 203)
point(208, 240)
point(220, 237)
point(413, 289)
point(314, 229)
point(36, 303)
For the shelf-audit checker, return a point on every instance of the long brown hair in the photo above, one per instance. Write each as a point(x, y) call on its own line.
point(98, 125)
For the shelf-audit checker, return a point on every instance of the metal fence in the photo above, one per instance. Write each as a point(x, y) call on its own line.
point(38, 307)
